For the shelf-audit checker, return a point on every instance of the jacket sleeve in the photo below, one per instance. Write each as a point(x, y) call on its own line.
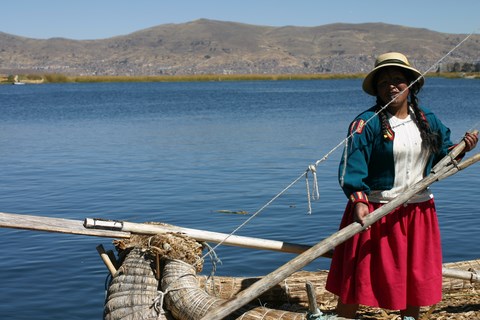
point(353, 169)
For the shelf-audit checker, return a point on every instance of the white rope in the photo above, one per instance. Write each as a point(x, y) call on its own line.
point(312, 168)
point(158, 302)
point(214, 259)
point(315, 194)
point(254, 215)
point(287, 290)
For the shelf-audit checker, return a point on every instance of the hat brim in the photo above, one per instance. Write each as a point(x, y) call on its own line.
point(369, 87)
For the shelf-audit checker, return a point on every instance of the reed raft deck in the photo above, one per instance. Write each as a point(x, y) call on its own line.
point(157, 279)
point(135, 288)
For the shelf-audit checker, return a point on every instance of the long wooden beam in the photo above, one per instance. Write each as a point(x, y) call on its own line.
point(60, 225)
point(199, 235)
point(123, 229)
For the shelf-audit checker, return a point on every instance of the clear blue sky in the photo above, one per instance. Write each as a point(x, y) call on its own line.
point(96, 19)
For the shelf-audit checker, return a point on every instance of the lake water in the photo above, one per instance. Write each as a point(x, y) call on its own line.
point(178, 153)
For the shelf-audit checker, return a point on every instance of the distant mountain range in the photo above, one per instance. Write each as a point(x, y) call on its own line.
point(219, 47)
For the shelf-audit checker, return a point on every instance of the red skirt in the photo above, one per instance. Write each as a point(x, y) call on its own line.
point(395, 264)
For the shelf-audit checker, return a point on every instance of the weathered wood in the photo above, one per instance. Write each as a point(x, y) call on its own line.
point(448, 162)
point(312, 298)
point(199, 235)
point(123, 230)
point(113, 258)
point(106, 260)
point(38, 223)
point(461, 166)
point(334, 240)
point(465, 281)
point(470, 275)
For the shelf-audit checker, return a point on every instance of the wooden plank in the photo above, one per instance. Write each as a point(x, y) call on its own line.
point(60, 225)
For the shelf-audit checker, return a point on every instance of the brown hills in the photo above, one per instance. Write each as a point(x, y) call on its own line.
point(218, 47)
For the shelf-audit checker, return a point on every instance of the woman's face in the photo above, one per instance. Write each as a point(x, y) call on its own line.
point(390, 84)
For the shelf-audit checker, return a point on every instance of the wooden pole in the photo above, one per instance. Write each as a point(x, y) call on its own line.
point(113, 258)
point(331, 242)
point(470, 275)
point(123, 230)
point(199, 235)
point(461, 166)
point(37, 223)
point(312, 299)
point(106, 260)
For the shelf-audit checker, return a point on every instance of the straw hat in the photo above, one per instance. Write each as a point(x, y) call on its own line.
point(390, 59)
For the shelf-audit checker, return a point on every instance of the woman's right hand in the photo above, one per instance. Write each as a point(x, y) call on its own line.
point(471, 140)
point(360, 212)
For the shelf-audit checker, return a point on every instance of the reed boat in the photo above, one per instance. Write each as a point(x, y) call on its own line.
point(156, 274)
point(157, 277)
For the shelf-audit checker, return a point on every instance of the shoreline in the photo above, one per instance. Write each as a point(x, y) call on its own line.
point(60, 78)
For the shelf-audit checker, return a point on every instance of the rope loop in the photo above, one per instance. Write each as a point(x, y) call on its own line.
point(314, 194)
point(158, 302)
point(214, 259)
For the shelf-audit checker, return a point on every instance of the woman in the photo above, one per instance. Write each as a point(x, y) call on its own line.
point(397, 263)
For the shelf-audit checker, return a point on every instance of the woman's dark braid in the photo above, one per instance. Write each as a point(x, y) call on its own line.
point(387, 131)
point(430, 140)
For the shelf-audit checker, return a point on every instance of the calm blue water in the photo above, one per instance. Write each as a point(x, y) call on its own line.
point(178, 153)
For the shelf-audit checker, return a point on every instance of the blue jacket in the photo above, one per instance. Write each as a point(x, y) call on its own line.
point(370, 164)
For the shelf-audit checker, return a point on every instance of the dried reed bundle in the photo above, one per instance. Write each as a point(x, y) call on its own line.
point(133, 290)
point(187, 301)
point(289, 292)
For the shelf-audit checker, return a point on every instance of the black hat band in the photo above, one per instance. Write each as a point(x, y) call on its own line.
point(392, 61)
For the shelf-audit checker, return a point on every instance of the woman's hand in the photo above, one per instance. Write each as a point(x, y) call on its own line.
point(360, 212)
point(471, 141)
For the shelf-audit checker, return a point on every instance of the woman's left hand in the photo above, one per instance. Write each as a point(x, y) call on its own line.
point(471, 140)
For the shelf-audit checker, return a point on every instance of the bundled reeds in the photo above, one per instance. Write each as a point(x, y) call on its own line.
point(158, 280)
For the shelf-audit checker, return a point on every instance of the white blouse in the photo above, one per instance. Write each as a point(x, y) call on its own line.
point(410, 161)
